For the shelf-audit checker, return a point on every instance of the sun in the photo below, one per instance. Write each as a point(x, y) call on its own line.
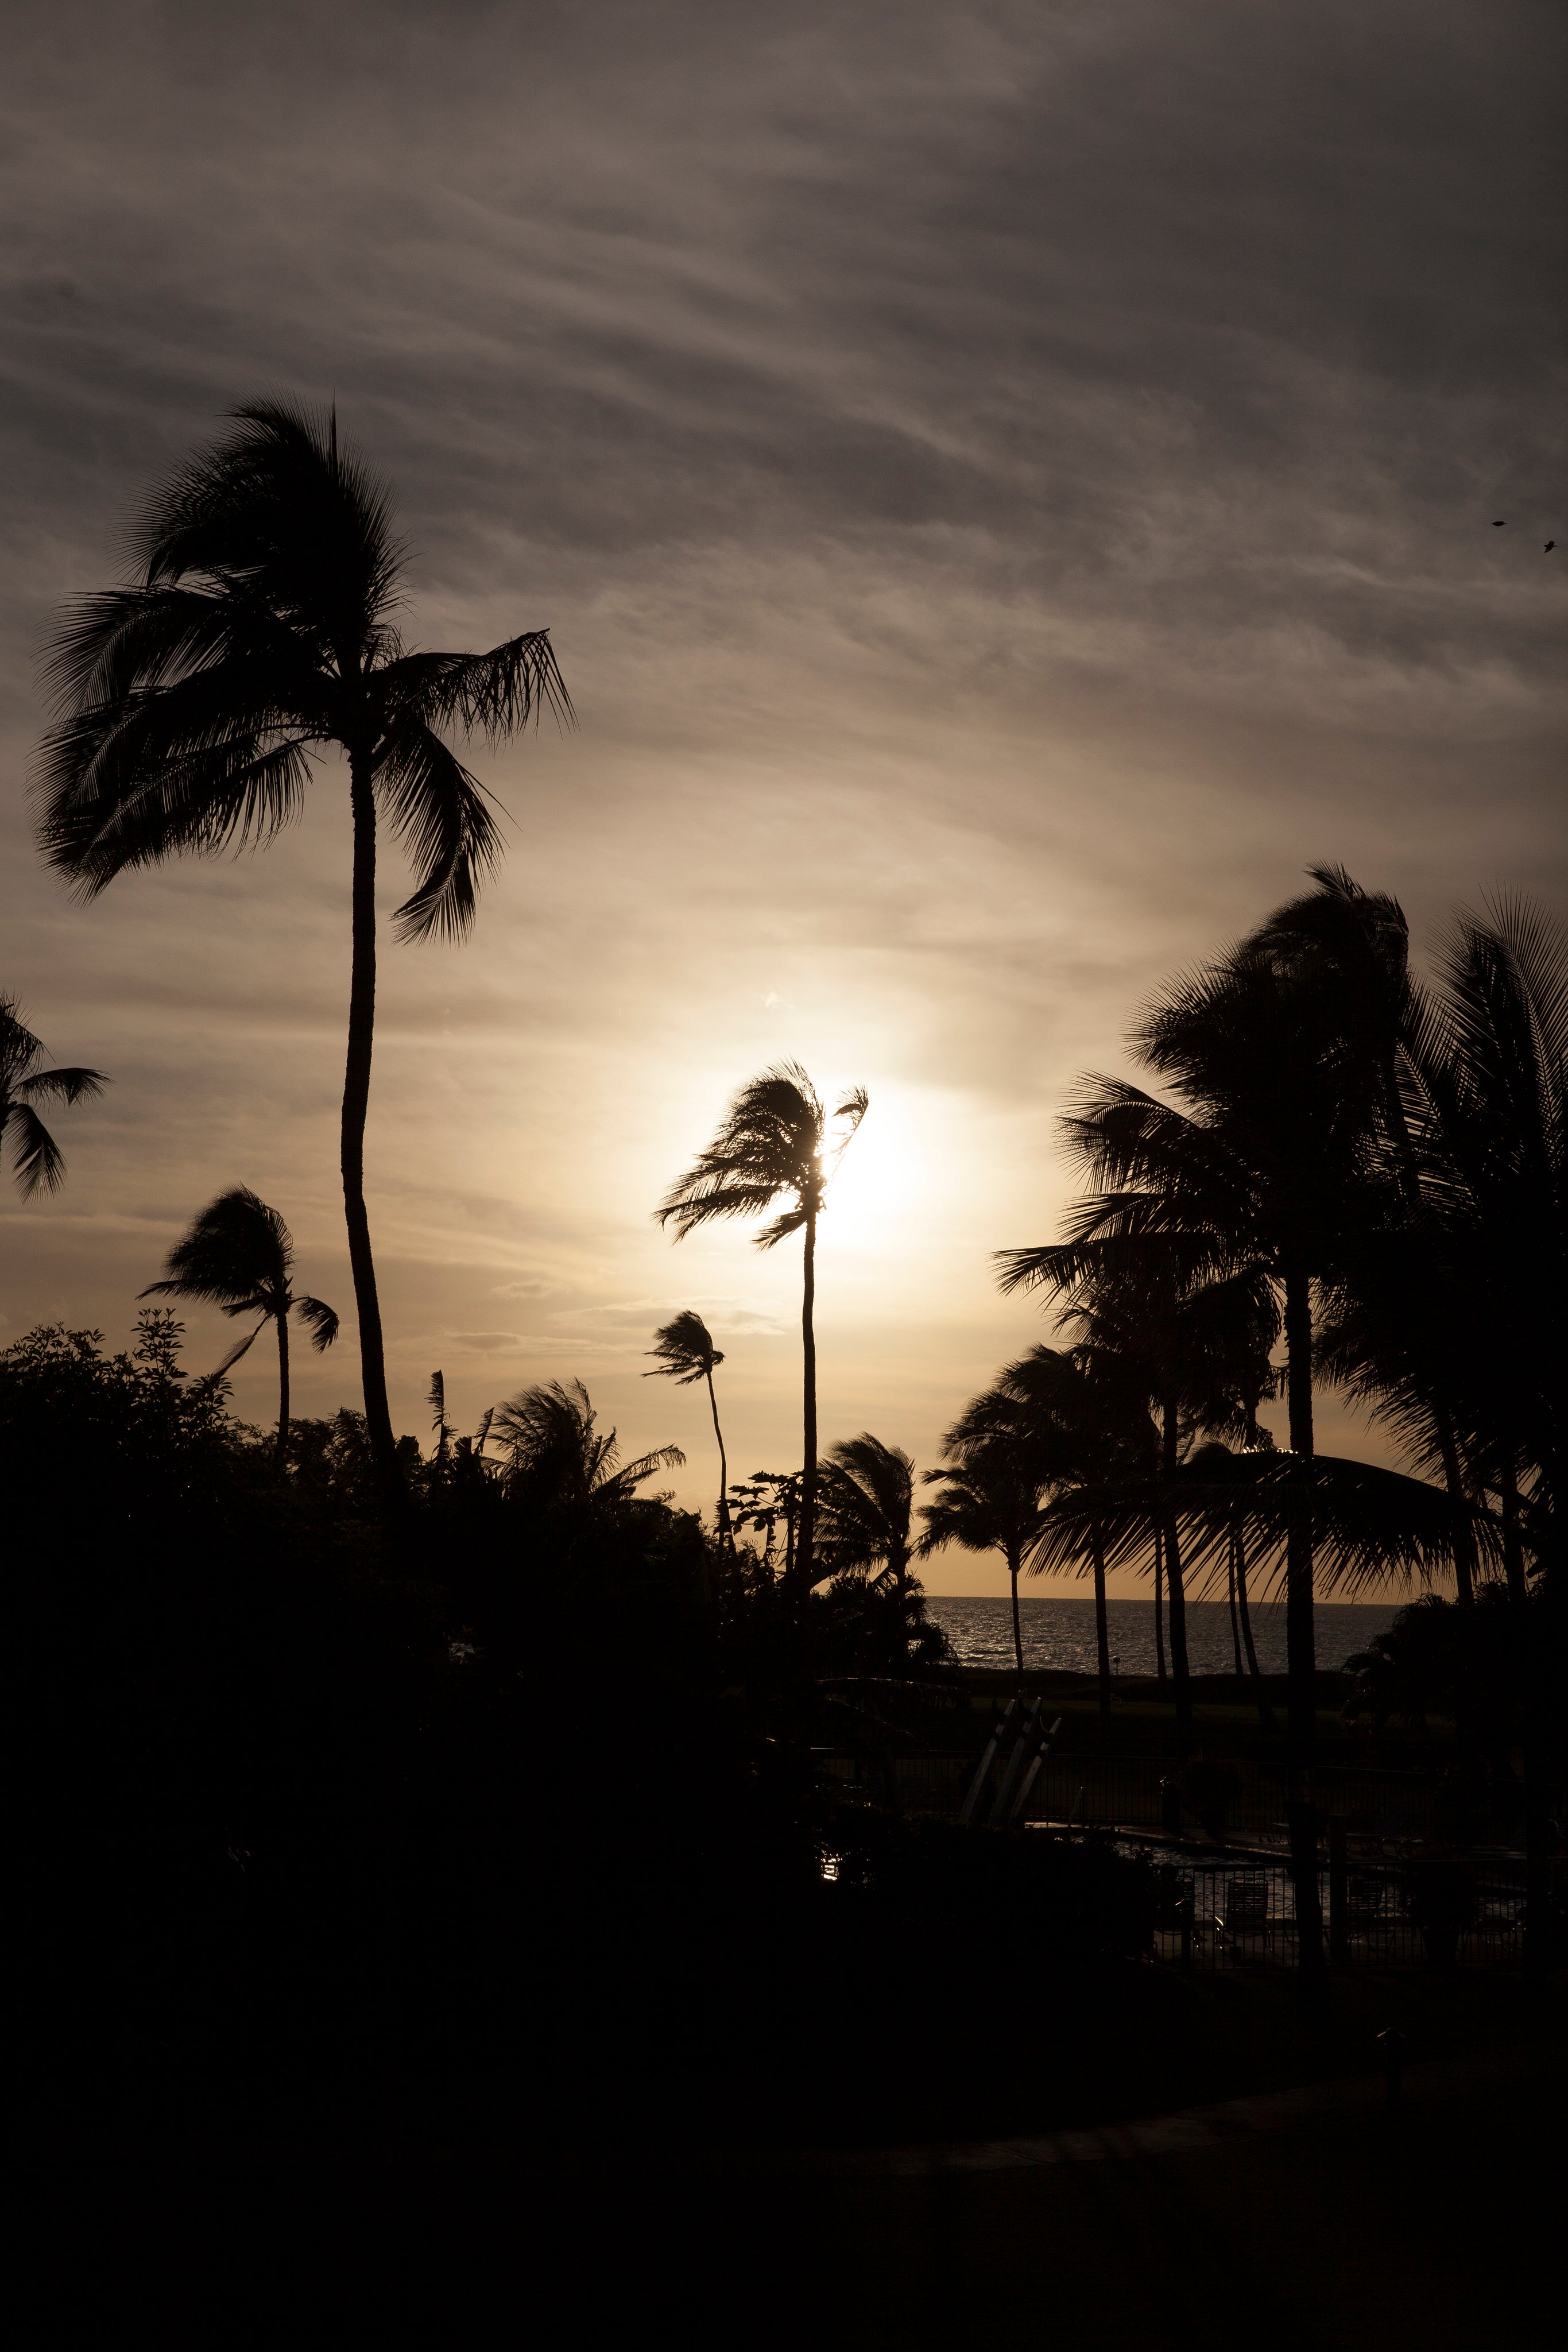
point(878, 1190)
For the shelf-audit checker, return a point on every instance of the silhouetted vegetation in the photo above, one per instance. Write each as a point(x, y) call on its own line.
point(417, 1787)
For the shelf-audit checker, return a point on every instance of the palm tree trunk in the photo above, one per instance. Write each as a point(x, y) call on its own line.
point(1464, 1538)
point(1301, 1655)
point(1235, 1620)
point(1537, 1864)
point(1015, 1561)
point(280, 1456)
point(723, 1469)
point(1159, 1607)
point(356, 1107)
point(1179, 1673)
point(806, 1538)
point(1102, 1626)
point(1238, 1556)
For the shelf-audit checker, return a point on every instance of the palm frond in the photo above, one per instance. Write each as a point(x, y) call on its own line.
point(685, 1350)
point(281, 504)
point(36, 1157)
point(493, 695)
point(439, 814)
point(240, 1348)
point(67, 1085)
point(237, 1251)
point(321, 1319)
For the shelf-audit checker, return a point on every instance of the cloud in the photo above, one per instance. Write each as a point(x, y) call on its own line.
point(1009, 486)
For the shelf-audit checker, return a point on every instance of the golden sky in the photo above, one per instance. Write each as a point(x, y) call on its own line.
point(1010, 487)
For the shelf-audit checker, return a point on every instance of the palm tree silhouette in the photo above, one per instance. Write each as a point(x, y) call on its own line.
point(1151, 1327)
point(1489, 1070)
point(1083, 1414)
point(239, 1255)
point(687, 1353)
point(562, 1465)
point(773, 1144)
point(259, 635)
point(992, 1497)
point(35, 1158)
point(865, 1495)
point(1276, 1159)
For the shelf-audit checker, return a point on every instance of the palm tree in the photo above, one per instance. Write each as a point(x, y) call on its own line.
point(239, 1255)
point(1276, 1159)
point(258, 637)
point(1084, 1414)
point(773, 1144)
point(1490, 1077)
point(865, 1495)
point(562, 1465)
point(992, 1497)
point(36, 1158)
point(1152, 1333)
point(440, 1428)
point(687, 1353)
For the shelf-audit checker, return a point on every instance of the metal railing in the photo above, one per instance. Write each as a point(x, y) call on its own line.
point(1388, 1916)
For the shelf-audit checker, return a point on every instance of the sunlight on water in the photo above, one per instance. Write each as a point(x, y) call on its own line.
point(1061, 1634)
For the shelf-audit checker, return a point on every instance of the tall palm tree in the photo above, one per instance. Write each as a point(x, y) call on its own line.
point(239, 1255)
point(687, 1353)
point(865, 1495)
point(774, 1144)
point(35, 1158)
point(1276, 1158)
point(561, 1464)
point(257, 637)
point(1489, 1079)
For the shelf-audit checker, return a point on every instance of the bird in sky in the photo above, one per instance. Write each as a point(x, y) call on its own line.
point(1500, 522)
point(1549, 546)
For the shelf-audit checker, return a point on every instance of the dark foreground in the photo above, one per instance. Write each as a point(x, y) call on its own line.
point(1307, 2217)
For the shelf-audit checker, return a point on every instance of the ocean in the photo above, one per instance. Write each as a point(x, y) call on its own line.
point(1060, 1632)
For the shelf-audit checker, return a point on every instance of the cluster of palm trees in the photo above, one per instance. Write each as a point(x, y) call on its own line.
point(1372, 1170)
point(1368, 1168)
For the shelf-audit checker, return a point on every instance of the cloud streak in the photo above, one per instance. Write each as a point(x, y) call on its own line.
point(1009, 487)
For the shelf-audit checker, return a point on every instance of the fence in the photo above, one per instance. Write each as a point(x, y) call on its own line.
point(1244, 1915)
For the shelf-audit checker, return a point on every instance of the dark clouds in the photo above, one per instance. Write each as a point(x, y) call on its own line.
point(1009, 485)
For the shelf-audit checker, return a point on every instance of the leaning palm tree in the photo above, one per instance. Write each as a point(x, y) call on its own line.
point(774, 1143)
point(35, 1158)
point(685, 1352)
point(239, 1255)
point(257, 637)
point(865, 1494)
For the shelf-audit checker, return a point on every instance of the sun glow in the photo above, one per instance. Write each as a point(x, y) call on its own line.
point(881, 1189)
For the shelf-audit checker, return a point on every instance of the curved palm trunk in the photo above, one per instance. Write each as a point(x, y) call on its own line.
point(356, 1107)
point(723, 1467)
point(806, 1537)
point(1464, 1538)
point(1102, 1626)
point(1179, 1673)
point(1160, 1606)
point(1239, 1562)
point(1537, 1864)
point(1302, 1656)
point(1015, 1561)
point(280, 1455)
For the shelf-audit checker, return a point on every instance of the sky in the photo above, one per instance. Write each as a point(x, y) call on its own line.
point(1010, 487)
